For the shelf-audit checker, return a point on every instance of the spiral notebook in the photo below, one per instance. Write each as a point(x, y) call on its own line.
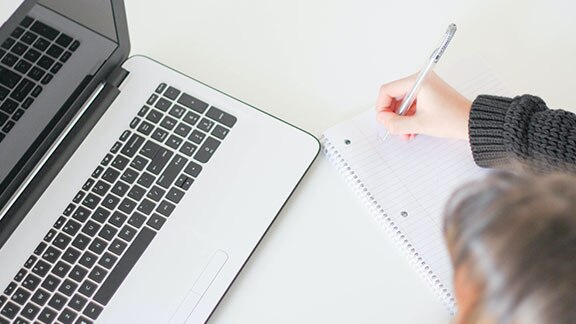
point(405, 184)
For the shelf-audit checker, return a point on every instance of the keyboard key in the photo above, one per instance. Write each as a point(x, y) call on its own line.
point(36, 73)
point(127, 205)
point(174, 142)
point(220, 132)
point(193, 169)
point(44, 30)
point(139, 163)
point(41, 44)
point(61, 269)
point(110, 201)
point(77, 302)
point(142, 112)
point(101, 188)
point(160, 88)
point(30, 311)
point(19, 49)
point(125, 135)
point(30, 262)
point(172, 93)
point(88, 184)
point(192, 103)
point(122, 268)
point(100, 215)
point(79, 196)
point(68, 287)
point(87, 288)
point(177, 111)
point(50, 235)
point(172, 170)
point(197, 136)
point(117, 219)
point(145, 128)
point(62, 241)
point(31, 282)
point(47, 78)
point(93, 310)
point(165, 208)
point(149, 149)
point(159, 160)
point(91, 228)
point(8, 43)
point(74, 46)
point(146, 179)
point(159, 134)
point(8, 126)
point(175, 195)
point(68, 315)
point(207, 150)
point(51, 254)
point(47, 316)
point(191, 118)
point(146, 206)
point(36, 92)
point(137, 220)
point(154, 116)
point(10, 310)
point(40, 297)
point(82, 213)
point(221, 117)
point(78, 273)
point(120, 162)
point(120, 188)
point(58, 301)
point(107, 260)
point(152, 99)
point(51, 283)
point(136, 193)
point(168, 123)
point(98, 274)
point(182, 129)
point(130, 175)
point(3, 93)
point(133, 145)
point(10, 59)
point(71, 228)
point(55, 51)
point(71, 255)
point(56, 68)
point(163, 104)
point(20, 296)
point(20, 275)
point(108, 232)
point(10, 289)
point(81, 241)
point(156, 193)
point(188, 148)
point(205, 125)
point(88, 259)
point(64, 40)
point(8, 78)
point(41, 268)
point(184, 182)
point(26, 22)
point(32, 55)
point(22, 67)
point(17, 32)
point(110, 175)
point(156, 221)
point(97, 172)
point(98, 246)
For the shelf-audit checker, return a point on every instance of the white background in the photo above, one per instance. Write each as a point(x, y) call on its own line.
point(315, 63)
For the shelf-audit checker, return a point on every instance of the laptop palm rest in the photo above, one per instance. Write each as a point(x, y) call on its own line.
point(202, 284)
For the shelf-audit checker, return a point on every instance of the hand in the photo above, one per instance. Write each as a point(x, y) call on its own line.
point(438, 110)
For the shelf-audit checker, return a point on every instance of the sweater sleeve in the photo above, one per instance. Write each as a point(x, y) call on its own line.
point(522, 130)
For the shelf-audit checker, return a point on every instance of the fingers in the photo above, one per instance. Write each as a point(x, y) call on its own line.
point(390, 92)
point(399, 124)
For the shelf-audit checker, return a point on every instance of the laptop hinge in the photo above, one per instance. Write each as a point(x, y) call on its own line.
point(117, 76)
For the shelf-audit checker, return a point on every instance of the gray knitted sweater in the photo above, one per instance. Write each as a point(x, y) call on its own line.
point(508, 131)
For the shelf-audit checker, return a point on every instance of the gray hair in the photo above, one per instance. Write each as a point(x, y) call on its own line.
point(517, 234)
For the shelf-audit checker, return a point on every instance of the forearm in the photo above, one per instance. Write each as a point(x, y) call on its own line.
point(506, 131)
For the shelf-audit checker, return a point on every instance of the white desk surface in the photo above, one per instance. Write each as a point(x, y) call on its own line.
point(315, 63)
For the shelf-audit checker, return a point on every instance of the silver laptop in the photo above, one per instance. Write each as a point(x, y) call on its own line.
point(129, 192)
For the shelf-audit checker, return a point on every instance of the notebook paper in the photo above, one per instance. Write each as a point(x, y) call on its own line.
point(406, 184)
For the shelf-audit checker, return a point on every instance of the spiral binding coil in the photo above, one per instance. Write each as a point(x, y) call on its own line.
point(387, 224)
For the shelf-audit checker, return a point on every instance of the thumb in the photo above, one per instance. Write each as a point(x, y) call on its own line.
point(397, 124)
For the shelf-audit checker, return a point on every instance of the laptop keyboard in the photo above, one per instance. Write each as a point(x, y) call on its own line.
point(29, 59)
point(85, 256)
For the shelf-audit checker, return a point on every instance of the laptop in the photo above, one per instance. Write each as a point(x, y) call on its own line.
point(129, 192)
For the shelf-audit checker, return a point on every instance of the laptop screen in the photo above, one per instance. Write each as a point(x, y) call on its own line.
point(50, 53)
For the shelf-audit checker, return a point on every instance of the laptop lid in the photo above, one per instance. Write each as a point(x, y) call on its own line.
point(101, 27)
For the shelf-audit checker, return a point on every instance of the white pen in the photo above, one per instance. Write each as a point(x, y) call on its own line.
point(434, 58)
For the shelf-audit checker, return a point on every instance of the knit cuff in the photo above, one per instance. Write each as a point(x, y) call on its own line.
point(486, 131)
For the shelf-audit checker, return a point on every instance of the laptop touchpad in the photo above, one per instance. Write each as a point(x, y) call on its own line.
point(202, 284)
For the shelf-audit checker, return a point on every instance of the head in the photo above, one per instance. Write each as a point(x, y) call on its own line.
point(512, 240)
